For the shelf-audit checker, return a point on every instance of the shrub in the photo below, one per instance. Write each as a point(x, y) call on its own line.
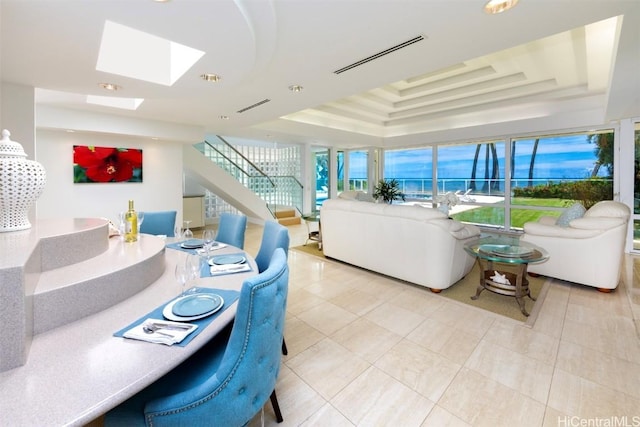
point(588, 192)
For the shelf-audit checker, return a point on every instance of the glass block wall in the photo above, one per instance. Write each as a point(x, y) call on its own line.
point(273, 173)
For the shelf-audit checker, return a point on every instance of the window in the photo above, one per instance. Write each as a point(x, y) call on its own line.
point(555, 171)
point(322, 177)
point(413, 169)
point(358, 170)
point(504, 184)
point(340, 171)
point(477, 167)
point(476, 173)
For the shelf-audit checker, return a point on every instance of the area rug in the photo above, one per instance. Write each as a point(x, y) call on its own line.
point(466, 287)
point(310, 248)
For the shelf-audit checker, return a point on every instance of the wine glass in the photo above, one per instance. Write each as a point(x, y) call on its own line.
point(187, 234)
point(192, 267)
point(121, 224)
point(140, 219)
point(208, 237)
point(181, 275)
point(177, 231)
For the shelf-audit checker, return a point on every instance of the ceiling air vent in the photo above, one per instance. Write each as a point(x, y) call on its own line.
point(380, 54)
point(257, 104)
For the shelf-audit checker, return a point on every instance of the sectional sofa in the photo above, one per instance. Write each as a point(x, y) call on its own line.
point(408, 242)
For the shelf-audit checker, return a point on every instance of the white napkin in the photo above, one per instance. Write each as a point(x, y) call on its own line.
point(167, 336)
point(229, 268)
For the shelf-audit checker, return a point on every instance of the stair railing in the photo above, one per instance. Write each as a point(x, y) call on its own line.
point(276, 191)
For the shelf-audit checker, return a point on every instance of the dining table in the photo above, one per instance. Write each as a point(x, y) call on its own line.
point(76, 372)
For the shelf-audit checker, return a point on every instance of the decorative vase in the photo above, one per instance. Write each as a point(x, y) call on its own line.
point(21, 183)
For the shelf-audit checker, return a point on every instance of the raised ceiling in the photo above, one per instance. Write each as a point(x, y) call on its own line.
point(463, 70)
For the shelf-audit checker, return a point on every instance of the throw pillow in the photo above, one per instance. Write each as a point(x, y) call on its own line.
point(348, 195)
point(608, 208)
point(572, 212)
point(365, 197)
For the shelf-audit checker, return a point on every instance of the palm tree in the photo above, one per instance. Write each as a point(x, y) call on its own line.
point(490, 181)
point(604, 152)
point(474, 169)
point(485, 185)
point(495, 168)
point(513, 159)
point(533, 160)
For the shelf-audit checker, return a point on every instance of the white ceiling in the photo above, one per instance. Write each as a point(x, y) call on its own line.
point(538, 62)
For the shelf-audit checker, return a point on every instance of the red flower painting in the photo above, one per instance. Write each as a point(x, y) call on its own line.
point(106, 164)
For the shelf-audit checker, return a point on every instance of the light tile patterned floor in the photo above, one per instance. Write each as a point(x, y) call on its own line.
point(366, 350)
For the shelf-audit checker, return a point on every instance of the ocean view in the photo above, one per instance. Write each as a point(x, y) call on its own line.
point(566, 158)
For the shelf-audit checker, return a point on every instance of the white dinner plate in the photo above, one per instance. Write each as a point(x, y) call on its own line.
point(167, 311)
point(227, 259)
point(196, 305)
point(192, 244)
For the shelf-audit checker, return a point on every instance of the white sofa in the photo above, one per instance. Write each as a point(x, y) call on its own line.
point(412, 243)
point(588, 250)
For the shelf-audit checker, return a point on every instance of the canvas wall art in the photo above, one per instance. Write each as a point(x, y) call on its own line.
point(106, 164)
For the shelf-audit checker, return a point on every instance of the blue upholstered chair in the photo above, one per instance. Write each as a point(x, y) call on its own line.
point(229, 380)
point(274, 236)
point(231, 229)
point(159, 223)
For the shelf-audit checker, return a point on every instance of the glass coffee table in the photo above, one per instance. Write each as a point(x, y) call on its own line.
point(503, 265)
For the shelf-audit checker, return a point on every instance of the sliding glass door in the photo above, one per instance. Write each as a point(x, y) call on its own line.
point(504, 184)
point(321, 192)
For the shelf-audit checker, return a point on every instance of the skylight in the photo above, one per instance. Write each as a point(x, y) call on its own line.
point(115, 102)
point(132, 53)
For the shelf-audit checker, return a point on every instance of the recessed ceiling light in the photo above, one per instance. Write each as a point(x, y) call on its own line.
point(109, 86)
point(499, 6)
point(207, 77)
point(295, 88)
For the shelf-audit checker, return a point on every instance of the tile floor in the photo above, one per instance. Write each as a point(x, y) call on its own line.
point(366, 350)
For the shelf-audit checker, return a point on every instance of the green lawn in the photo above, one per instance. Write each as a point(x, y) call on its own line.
point(495, 215)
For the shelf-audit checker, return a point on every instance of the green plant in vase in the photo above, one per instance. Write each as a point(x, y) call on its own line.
point(388, 191)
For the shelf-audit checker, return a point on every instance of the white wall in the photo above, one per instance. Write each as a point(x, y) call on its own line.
point(161, 188)
point(18, 117)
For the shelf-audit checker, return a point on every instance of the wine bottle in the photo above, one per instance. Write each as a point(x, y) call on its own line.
point(130, 224)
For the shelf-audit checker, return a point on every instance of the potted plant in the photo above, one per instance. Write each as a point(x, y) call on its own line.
point(388, 191)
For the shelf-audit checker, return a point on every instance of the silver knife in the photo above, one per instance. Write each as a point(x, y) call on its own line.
point(172, 327)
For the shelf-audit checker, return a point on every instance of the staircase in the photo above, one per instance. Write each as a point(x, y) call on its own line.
point(287, 216)
point(280, 195)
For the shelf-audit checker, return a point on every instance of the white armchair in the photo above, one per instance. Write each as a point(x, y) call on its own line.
point(588, 251)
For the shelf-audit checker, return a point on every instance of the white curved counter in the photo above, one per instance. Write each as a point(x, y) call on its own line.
point(77, 371)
